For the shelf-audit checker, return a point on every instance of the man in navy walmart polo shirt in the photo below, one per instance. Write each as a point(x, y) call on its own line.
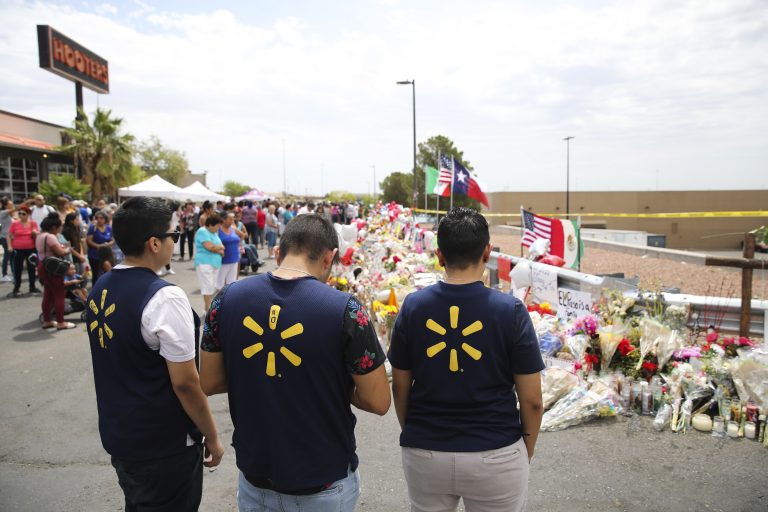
point(462, 355)
point(293, 354)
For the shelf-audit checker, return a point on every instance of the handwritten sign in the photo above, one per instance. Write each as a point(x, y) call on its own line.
point(544, 283)
point(572, 304)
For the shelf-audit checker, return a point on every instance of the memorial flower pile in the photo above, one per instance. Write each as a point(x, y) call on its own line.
point(631, 354)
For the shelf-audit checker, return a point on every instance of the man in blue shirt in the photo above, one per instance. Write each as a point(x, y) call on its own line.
point(462, 355)
point(293, 354)
point(143, 337)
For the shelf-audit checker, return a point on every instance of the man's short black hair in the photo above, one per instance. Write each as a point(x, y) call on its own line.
point(138, 219)
point(310, 235)
point(462, 237)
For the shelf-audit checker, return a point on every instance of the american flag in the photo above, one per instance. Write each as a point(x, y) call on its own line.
point(535, 227)
point(446, 170)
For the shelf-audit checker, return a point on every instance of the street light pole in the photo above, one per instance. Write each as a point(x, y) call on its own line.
point(413, 84)
point(568, 176)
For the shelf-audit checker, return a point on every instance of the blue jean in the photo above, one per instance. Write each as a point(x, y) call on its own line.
point(6, 255)
point(341, 496)
point(271, 239)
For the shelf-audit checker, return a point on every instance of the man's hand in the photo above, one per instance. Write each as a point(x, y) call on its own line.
point(213, 451)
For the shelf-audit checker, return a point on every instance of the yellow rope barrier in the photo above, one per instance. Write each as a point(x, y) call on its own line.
point(673, 215)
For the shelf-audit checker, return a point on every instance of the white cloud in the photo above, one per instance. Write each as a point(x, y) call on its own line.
point(675, 86)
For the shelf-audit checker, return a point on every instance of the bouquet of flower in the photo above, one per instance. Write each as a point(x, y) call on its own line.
point(750, 374)
point(581, 405)
point(549, 344)
point(555, 384)
point(577, 345)
point(610, 337)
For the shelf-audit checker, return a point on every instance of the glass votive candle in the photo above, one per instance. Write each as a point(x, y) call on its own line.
point(718, 426)
point(736, 410)
point(750, 432)
point(733, 429)
point(725, 409)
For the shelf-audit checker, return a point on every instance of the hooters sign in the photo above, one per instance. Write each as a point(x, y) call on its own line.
point(61, 55)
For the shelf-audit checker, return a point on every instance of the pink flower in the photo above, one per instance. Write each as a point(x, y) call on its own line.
point(712, 337)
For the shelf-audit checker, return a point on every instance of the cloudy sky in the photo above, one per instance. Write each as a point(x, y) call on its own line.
point(659, 94)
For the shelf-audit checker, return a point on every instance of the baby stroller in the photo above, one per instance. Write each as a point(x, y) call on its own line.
point(74, 304)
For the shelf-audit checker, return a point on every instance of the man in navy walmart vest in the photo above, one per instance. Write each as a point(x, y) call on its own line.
point(462, 355)
point(142, 332)
point(293, 354)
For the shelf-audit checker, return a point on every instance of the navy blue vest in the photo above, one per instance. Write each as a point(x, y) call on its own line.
point(140, 417)
point(289, 389)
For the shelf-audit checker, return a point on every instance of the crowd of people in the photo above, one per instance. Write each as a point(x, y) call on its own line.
point(223, 240)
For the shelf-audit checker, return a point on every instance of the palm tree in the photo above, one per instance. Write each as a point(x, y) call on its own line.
point(104, 154)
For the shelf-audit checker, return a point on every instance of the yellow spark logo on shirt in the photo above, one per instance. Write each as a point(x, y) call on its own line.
point(103, 328)
point(290, 332)
point(453, 362)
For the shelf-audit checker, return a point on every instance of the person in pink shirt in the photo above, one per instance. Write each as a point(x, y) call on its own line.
point(22, 237)
point(261, 221)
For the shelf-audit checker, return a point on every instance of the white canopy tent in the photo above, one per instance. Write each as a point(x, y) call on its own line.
point(198, 192)
point(152, 187)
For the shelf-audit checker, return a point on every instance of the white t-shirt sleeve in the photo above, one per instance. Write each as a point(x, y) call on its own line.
point(167, 325)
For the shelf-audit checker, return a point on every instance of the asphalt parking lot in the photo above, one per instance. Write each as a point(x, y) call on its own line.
point(51, 458)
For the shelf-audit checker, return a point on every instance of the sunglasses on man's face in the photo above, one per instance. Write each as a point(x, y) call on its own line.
point(173, 234)
point(22, 214)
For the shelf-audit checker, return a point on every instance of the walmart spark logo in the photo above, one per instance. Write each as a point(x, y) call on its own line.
point(103, 328)
point(290, 332)
point(453, 362)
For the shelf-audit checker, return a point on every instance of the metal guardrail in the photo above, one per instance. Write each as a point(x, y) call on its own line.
point(703, 310)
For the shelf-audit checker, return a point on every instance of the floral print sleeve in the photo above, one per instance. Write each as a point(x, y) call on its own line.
point(210, 339)
point(362, 350)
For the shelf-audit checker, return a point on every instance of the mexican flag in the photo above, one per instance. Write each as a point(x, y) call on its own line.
point(433, 184)
point(564, 236)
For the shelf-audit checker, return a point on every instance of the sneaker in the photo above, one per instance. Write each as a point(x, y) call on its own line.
point(65, 325)
point(162, 272)
point(171, 272)
point(34, 290)
point(6, 279)
point(15, 294)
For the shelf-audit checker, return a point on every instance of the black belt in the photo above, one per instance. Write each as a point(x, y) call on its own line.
point(266, 483)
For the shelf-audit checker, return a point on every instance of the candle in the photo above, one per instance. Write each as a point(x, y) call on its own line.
point(733, 429)
point(749, 430)
point(718, 427)
point(702, 422)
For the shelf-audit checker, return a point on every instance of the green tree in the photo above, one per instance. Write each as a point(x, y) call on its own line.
point(427, 156)
point(102, 152)
point(337, 196)
point(234, 189)
point(397, 187)
point(154, 158)
point(135, 175)
point(66, 183)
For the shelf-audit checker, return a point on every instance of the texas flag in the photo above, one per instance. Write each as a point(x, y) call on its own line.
point(464, 183)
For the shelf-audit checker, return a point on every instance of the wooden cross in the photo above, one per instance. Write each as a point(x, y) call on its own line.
point(746, 264)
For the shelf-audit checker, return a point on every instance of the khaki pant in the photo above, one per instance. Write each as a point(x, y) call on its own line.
point(491, 481)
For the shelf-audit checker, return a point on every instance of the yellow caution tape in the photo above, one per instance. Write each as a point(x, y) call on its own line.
point(673, 215)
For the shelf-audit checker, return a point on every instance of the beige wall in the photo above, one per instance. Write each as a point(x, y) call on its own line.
point(30, 128)
point(696, 233)
point(189, 178)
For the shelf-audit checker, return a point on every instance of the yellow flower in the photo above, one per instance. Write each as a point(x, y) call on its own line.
point(342, 281)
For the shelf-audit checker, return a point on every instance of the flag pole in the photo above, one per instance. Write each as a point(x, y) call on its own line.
point(522, 230)
point(578, 243)
point(453, 178)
